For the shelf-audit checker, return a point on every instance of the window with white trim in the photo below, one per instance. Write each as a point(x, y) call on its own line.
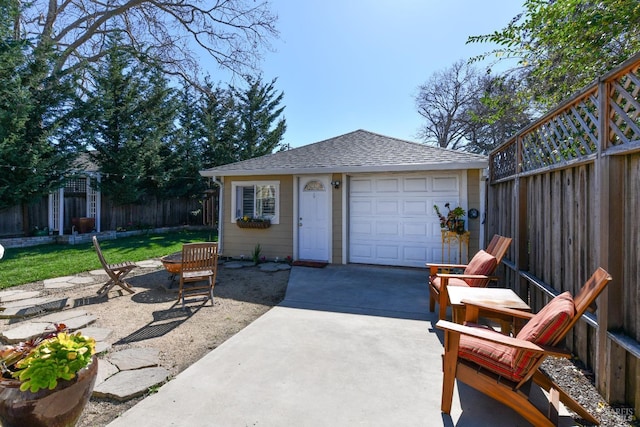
point(255, 199)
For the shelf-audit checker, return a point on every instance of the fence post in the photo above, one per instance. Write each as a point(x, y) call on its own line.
point(520, 240)
point(609, 171)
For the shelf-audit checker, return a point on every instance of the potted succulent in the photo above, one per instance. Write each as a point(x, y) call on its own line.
point(47, 381)
point(453, 220)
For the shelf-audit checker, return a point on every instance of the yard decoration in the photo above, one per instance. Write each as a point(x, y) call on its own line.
point(48, 380)
point(453, 221)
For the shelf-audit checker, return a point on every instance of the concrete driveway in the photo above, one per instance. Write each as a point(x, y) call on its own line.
point(349, 345)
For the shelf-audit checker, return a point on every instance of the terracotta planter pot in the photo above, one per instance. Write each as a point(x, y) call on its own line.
point(59, 407)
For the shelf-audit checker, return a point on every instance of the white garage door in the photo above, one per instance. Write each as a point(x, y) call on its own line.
point(391, 217)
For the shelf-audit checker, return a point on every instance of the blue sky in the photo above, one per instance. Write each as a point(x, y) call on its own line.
point(345, 65)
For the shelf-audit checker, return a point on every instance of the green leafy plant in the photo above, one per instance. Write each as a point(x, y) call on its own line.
point(41, 362)
point(453, 220)
point(248, 219)
point(255, 255)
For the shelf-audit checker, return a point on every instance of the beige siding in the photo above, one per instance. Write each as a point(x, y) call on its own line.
point(336, 237)
point(275, 241)
point(473, 196)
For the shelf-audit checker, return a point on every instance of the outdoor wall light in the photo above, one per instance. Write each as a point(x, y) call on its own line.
point(336, 184)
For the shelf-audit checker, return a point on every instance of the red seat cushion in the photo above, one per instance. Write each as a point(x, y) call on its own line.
point(435, 281)
point(549, 323)
point(545, 328)
point(482, 263)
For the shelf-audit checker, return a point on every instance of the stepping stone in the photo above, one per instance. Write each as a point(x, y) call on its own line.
point(150, 263)
point(98, 273)
point(59, 285)
point(62, 316)
point(33, 307)
point(106, 369)
point(268, 267)
point(28, 302)
point(24, 332)
point(79, 322)
point(102, 346)
point(234, 265)
point(82, 280)
point(98, 334)
point(17, 295)
point(126, 385)
point(58, 280)
point(274, 266)
point(135, 358)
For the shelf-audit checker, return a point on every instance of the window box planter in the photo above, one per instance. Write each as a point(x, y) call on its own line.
point(263, 223)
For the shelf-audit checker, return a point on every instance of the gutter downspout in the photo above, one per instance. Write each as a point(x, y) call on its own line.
point(220, 185)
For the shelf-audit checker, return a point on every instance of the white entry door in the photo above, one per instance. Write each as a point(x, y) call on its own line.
point(313, 220)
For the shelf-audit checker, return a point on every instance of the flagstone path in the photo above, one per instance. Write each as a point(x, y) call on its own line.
point(122, 375)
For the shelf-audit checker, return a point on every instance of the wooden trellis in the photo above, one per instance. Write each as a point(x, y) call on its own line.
point(567, 189)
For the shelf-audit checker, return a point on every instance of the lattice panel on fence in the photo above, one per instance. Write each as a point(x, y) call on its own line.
point(624, 102)
point(569, 134)
point(503, 162)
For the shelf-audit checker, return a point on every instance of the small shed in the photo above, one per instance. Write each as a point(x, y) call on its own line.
point(360, 197)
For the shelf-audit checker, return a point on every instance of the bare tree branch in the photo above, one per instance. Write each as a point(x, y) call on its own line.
point(176, 32)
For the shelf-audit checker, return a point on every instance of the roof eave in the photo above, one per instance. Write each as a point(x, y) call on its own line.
point(479, 164)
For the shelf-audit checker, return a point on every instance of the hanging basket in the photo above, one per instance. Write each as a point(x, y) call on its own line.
point(254, 224)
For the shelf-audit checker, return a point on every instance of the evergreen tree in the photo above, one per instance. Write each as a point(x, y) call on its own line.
point(129, 118)
point(259, 109)
point(183, 157)
point(35, 153)
point(220, 127)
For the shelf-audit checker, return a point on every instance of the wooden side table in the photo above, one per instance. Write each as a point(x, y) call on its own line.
point(461, 239)
point(500, 297)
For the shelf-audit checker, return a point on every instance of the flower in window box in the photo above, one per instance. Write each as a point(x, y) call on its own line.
point(250, 222)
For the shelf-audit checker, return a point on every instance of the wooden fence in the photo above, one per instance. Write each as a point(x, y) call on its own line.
point(567, 189)
point(154, 213)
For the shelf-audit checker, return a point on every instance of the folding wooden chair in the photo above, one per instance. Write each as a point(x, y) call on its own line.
point(116, 272)
point(199, 263)
point(504, 367)
point(477, 273)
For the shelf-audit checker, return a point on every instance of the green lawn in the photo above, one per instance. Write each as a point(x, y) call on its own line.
point(26, 265)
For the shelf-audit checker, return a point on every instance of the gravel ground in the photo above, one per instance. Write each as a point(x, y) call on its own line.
point(241, 297)
point(577, 381)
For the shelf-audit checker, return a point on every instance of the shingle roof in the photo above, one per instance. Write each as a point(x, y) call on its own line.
point(358, 151)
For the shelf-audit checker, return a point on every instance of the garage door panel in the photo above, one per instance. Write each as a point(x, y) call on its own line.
point(387, 207)
point(387, 228)
point(360, 186)
point(361, 228)
point(417, 254)
point(391, 218)
point(415, 207)
point(363, 252)
point(448, 183)
point(387, 252)
point(416, 184)
point(390, 185)
point(361, 207)
point(415, 230)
